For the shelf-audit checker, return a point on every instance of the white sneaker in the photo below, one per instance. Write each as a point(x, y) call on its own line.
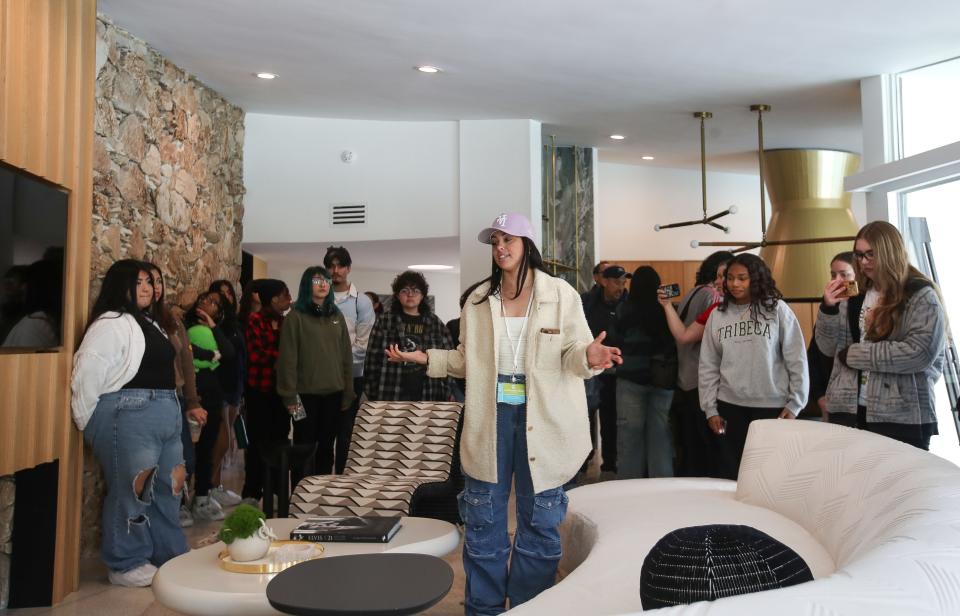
point(205, 508)
point(253, 502)
point(135, 578)
point(225, 497)
point(186, 518)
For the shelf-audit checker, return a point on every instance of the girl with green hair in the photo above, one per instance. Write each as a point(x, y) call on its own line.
point(315, 368)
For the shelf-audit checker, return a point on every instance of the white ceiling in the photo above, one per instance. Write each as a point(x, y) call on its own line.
point(586, 69)
point(383, 255)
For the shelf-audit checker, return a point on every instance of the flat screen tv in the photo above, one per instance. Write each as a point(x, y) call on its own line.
point(33, 237)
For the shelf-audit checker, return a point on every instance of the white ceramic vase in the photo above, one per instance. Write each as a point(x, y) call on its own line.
point(253, 547)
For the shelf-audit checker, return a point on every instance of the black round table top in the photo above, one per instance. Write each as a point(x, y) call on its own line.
point(370, 584)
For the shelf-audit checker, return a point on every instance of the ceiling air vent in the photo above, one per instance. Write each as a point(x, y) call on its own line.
point(348, 214)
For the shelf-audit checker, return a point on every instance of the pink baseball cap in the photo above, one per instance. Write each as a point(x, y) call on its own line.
point(508, 222)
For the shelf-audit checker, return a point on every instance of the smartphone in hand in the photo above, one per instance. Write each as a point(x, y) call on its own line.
point(670, 290)
point(851, 288)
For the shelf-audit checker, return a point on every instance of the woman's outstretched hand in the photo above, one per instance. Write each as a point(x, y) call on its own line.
point(600, 357)
point(394, 354)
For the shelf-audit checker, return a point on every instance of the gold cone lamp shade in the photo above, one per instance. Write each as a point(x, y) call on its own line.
point(808, 202)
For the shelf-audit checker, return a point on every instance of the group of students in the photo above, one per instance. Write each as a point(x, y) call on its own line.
point(691, 383)
point(524, 351)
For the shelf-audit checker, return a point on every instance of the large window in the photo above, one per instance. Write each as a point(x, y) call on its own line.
point(939, 207)
point(929, 103)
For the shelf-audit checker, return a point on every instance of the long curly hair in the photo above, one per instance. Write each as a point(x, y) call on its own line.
point(708, 268)
point(764, 293)
point(892, 273)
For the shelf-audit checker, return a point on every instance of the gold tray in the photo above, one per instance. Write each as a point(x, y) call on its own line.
point(259, 566)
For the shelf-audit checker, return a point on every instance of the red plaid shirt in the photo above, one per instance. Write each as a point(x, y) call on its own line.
point(263, 347)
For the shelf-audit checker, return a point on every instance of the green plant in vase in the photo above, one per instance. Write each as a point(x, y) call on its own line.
point(246, 534)
point(243, 522)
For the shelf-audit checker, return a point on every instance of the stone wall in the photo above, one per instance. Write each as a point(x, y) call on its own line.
point(168, 168)
point(8, 492)
point(167, 185)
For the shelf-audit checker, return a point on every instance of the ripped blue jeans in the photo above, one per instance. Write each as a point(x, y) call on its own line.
point(134, 431)
point(483, 508)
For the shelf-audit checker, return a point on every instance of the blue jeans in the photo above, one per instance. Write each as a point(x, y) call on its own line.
point(133, 430)
point(483, 508)
point(644, 439)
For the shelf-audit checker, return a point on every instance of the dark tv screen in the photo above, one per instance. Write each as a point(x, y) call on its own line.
point(33, 235)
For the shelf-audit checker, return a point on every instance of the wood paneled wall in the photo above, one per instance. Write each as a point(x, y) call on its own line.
point(47, 66)
point(685, 273)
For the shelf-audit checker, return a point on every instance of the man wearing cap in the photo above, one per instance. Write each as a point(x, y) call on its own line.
point(600, 316)
point(357, 310)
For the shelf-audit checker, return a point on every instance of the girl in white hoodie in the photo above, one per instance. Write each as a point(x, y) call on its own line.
point(753, 363)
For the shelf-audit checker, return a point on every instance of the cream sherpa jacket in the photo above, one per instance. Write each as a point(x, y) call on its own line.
point(558, 433)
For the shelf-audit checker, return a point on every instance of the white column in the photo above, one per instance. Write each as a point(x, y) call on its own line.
point(880, 115)
point(499, 172)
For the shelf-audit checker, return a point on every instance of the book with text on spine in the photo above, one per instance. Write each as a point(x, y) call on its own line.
point(361, 529)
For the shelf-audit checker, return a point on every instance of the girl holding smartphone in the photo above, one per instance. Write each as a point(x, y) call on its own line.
point(753, 364)
point(887, 341)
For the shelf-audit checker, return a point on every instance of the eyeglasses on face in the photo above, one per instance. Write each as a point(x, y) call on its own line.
point(410, 291)
point(320, 281)
point(863, 256)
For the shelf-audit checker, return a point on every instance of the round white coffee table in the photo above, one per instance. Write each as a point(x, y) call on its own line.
point(195, 584)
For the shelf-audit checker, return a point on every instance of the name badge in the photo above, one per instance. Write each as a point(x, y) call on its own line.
point(512, 390)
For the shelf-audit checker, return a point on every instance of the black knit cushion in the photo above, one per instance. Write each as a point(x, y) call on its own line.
point(703, 563)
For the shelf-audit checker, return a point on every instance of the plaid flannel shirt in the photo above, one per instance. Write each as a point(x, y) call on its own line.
point(382, 377)
point(263, 348)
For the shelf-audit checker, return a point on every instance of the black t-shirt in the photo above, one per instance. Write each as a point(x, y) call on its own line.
point(156, 368)
point(411, 337)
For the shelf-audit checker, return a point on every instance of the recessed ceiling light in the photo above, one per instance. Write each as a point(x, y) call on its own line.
point(430, 267)
point(617, 137)
point(267, 75)
point(427, 69)
point(647, 157)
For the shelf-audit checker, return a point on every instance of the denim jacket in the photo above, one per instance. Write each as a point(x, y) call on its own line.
point(903, 368)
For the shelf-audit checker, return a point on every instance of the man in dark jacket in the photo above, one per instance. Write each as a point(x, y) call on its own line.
point(600, 309)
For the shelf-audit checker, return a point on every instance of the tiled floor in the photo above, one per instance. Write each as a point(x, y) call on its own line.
point(98, 597)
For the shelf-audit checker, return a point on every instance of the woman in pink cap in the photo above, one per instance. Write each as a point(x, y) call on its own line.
point(525, 350)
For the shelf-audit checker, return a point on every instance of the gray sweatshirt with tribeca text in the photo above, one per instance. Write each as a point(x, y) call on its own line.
point(755, 363)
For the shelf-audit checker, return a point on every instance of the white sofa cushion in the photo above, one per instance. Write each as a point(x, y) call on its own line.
point(887, 514)
point(616, 523)
point(853, 490)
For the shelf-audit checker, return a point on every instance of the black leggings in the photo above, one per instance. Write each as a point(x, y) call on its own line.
point(697, 451)
point(731, 444)
point(320, 426)
point(211, 397)
point(268, 423)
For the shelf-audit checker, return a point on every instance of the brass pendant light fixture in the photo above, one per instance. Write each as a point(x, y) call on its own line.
point(810, 212)
point(703, 116)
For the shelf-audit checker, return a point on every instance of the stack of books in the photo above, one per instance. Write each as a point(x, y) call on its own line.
point(360, 529)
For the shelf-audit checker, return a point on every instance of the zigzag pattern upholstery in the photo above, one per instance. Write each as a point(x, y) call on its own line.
point(397, 449)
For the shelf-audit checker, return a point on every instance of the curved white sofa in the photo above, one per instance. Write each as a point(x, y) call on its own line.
point(877, 521)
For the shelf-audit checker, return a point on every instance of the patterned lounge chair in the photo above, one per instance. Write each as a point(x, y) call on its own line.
point(400, 462)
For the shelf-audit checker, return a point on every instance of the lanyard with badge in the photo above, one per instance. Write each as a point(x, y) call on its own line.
point(513, 390)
